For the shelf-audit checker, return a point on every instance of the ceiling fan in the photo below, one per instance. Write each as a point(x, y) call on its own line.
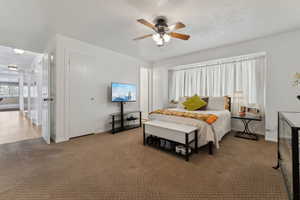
point(163, 32)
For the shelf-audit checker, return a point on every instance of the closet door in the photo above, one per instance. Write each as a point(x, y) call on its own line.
point(82, 94)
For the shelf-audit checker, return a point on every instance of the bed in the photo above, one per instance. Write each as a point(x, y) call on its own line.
point(219, 106)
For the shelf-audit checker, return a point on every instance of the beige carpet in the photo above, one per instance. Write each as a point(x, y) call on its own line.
point(116, 167)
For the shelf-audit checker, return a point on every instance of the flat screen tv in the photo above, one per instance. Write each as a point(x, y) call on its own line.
point(122, 92)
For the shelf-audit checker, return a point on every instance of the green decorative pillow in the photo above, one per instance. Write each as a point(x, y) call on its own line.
point(194, 103)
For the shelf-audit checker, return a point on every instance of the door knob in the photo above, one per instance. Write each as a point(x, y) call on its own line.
point(48, 99)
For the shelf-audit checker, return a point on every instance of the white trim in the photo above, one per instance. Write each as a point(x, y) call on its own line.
point(67, 60)
point(60, 134)
point(265, 97)
point(271, 139)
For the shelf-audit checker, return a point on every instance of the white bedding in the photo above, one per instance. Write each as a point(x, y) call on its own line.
point(207, 133)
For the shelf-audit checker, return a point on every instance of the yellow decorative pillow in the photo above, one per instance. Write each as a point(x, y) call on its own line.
point(194, 103)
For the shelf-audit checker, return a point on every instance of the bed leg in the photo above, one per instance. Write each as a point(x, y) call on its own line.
point(144, 135)
point(196, 141)
point(210, 148)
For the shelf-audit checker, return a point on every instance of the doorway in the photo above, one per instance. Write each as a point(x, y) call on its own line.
point(21, 100)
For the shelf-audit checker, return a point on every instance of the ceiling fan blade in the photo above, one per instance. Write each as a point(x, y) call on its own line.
point(142, 37)
point(179, 36)
point(146, 23)
point(177, 26)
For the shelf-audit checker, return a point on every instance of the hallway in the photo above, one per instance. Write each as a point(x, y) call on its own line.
point(14, 126)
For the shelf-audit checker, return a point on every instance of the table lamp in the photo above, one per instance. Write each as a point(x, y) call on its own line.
point(239, 99)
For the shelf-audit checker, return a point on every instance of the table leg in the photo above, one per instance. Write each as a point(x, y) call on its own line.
point(246, 126)
point(246, 134)
point(140, 119)
point(196, 141)
point(113, 124)
point(187, 147)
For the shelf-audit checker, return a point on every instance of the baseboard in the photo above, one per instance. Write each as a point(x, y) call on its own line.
point(60, 140)
point(270, 139)
point(102, 131)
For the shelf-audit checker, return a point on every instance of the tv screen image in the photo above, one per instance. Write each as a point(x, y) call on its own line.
point(122, 92)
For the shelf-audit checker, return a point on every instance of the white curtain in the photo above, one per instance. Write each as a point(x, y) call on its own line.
point(223, 78)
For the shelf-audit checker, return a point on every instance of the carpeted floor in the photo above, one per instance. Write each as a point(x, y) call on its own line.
point(117, 167)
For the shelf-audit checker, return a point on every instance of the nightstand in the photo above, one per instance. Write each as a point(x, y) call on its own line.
point(246, 119)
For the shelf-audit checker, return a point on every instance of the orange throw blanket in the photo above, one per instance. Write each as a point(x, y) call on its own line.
point(208, 118)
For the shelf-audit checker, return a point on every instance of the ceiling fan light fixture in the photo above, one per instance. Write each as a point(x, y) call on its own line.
point(156, 38)
point(161, 40)
point(163, 32)
point(167, 38)
point(160, 43)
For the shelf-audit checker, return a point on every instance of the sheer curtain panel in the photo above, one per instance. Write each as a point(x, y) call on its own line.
point(222, 78)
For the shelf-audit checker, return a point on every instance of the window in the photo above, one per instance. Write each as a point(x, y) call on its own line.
point(9, 89)
point(224, 77)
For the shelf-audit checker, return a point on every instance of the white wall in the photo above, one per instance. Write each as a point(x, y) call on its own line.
point(282, 62)
point(144, 91)
point(110, 67)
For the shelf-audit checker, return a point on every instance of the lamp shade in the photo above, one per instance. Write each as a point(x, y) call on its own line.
point(238, 94)
point(238, 98)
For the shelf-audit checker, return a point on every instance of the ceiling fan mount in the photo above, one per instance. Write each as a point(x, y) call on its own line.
point(163, 32)
point(161, 24)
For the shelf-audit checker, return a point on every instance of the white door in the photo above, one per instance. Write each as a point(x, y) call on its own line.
point(144, 92)
point(46, 98)
point(82, 94)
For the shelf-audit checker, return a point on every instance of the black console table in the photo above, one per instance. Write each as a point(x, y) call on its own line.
point(288, 151)
point(119, 122)
point(246, 119)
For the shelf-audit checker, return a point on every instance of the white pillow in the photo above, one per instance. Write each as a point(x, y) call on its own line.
point(216, 103)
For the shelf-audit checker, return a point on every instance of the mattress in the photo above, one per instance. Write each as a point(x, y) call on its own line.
point(206, 132)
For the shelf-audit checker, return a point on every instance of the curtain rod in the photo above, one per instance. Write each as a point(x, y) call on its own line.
point(216, 63)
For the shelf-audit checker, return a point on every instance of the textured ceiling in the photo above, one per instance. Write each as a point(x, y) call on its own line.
point(8, 57)
point(112, 24)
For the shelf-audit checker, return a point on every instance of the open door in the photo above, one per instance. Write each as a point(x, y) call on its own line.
point(46, 97)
